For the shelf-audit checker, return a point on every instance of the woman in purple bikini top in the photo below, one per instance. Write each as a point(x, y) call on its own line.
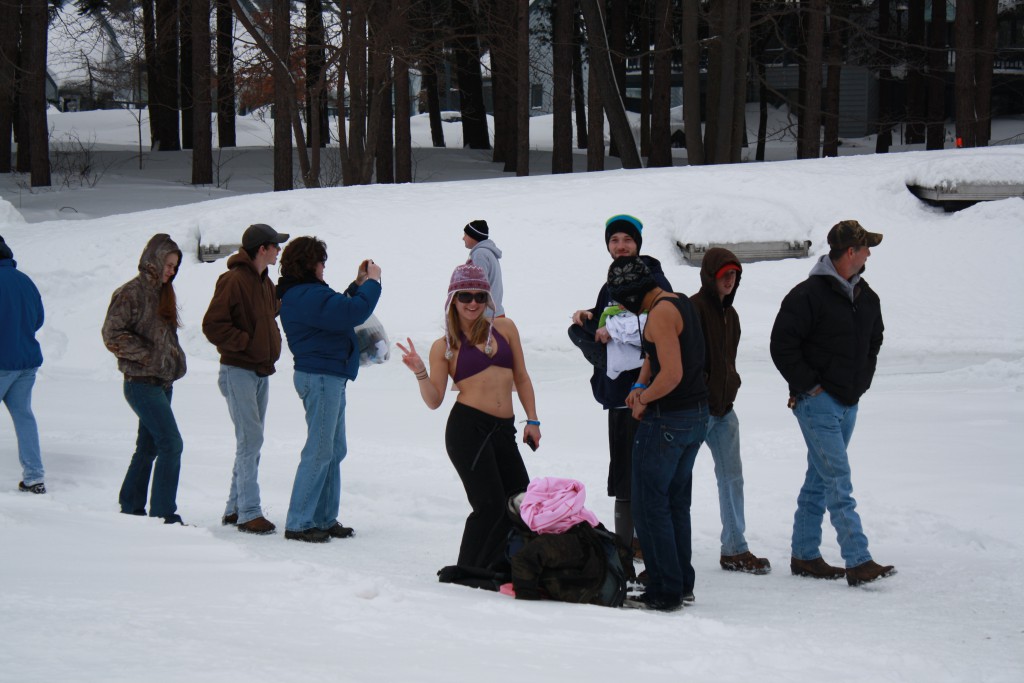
point(482, 354)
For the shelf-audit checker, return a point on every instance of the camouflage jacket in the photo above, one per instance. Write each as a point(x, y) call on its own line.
point(145, 345)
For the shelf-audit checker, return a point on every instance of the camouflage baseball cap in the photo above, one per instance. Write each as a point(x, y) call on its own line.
point(846, 234)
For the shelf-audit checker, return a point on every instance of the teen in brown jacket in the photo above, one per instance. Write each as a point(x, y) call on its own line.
point(241, 323)
point(720, 274)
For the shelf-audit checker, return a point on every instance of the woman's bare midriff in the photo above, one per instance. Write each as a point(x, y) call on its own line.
point(489, 391)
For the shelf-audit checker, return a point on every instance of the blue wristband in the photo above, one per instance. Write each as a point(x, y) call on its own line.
point(535, 423)
point(638, 385)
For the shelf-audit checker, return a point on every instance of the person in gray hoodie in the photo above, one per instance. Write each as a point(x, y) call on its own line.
point(483, 252)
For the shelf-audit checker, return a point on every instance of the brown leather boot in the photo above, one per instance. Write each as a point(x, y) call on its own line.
point(816, 569)
point(746, 562)
point(260, 526)
point(867, 572)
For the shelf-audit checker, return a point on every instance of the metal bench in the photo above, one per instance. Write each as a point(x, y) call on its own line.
point(748, 252)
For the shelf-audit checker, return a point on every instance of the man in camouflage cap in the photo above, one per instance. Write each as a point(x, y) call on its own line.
point(825, 342)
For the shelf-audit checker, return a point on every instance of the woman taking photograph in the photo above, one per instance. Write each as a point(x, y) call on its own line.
point(319, 324)
point(484, 357)
point(141, 330)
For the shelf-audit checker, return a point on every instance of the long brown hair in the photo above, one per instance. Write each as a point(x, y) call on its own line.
point(167, 310)
point(478, 333)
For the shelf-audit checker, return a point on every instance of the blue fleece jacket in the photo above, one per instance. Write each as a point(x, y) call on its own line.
point(319, 325)
point(21, 315)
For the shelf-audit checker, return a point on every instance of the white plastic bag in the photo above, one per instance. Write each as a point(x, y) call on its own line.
point(374, 348)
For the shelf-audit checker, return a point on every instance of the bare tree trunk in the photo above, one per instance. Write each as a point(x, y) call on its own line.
point(762, 111)
point(645, 20)
point(742, 66)
point(467, 65)
point(225, 75)
point(152, 67)
point(186, 87)
point(523, 88)
point(433, 104)
point(691, 84)
point(837, 19)
point(578, 91)
point(595, 125)
point(501, 35)
point(316, 90)
point(885, 115)
point(811, 109)
point(357, 93)
point(610, 97)
point(937, 78)
point(714, 82)
point(164, 98)
point(965, 92)
point(917, 87)
point(282, 97)
point(8, 82)
point(561, 99)
point(346, 32)
point(403, 132)
point(33, 92)
point(986, 42)
point(615, 38)
point(661, 134)
point(202, 130)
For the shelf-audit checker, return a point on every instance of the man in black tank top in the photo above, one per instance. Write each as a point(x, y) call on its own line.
point(670, 400)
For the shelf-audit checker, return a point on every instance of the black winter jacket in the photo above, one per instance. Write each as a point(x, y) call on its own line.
point(721, 325)
point(611, 393)
point(821, 337)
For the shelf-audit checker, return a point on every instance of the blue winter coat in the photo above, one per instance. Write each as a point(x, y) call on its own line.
point(319, 325)
point(21, 315)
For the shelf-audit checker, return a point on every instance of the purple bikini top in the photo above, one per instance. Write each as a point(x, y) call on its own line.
point(473, 361)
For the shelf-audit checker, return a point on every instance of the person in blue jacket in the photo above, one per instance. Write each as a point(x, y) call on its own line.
point(21, 313)
point(319, 324)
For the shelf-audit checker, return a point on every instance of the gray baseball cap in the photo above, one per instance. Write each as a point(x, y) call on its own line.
point(261, 233)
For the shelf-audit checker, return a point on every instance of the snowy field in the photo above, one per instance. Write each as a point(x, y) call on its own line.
point(87, 594)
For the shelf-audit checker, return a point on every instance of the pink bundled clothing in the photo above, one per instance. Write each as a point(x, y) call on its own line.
point(553, 505)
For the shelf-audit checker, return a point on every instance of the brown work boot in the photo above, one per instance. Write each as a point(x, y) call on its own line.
point(816, 569)
point(867, 572)
point(746, 562)
point(260, 526)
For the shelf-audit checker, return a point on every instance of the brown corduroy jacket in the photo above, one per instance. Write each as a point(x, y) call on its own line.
point(241, 319)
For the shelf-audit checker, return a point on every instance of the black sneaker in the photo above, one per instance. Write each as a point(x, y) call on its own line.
point(312, 535)
point(34, 488)
point(174, 519)
point(339, 531)
point(647, 602)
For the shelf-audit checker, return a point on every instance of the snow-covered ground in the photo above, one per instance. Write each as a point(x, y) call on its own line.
point(87, 594)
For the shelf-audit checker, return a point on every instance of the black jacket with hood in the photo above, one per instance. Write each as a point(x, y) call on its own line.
point(721, 325)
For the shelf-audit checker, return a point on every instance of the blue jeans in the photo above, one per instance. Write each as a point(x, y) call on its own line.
point(723, 439)
point(316, 494)
point(16, 393)
point(247, 394)
point(827, 426)
point(158, 440)
point(663, 455)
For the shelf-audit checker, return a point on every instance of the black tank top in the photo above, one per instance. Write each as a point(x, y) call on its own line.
point(691, 390)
